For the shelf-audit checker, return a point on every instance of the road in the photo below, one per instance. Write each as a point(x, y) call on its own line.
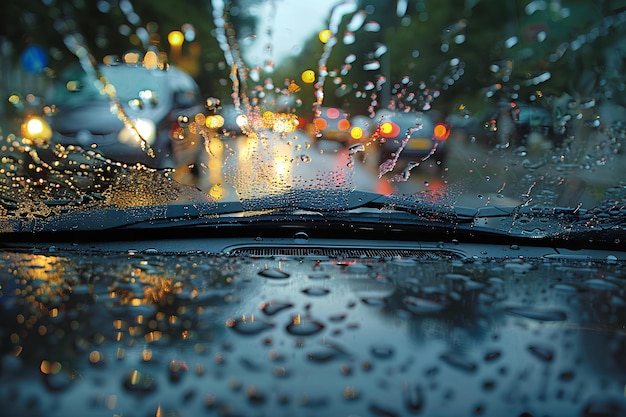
point(471, 175)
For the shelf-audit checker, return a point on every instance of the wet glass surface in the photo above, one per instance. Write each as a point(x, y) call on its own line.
point(476, 105)
point(195, 334)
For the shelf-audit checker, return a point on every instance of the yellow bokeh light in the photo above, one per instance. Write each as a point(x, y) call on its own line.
point(131, 58)
point(356, 133)
point(14, 99)
point(175, 38)
point(308, 76)
point(214, 122)
point(386, 128)
point(325, 35)
point(216, 191)
point(150, 60)
point(34, 126)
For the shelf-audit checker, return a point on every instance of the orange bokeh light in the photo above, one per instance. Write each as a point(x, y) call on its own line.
point(441, 132)
point(320, 124)
point(343, 124)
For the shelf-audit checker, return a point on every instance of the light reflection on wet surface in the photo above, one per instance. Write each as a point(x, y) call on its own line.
point(154, 334)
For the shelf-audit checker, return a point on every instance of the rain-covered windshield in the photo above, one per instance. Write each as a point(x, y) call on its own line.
point(269, 103)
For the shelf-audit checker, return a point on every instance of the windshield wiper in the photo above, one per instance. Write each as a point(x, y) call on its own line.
point(326, 212)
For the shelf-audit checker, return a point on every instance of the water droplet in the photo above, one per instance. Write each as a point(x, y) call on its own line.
point(565, 288)
point(274, 274)
point(304, 327)
point(371, 66)
point(604, 406)
point(322, 355)
point(316, 291)
point(382, 351)
point(176, 370)
point(374, 301)
point(337, 317)
point(272, 307)
point(183, 120)
point(301, 237)
point(460, 362)
point(492, 355)
point(320, 275)
point(248, 326)
point(423, 306)
point(541, 352)
point(358, 147)
point(350, 393)
point(413, 395)
point(542, 314)
point(254, 395)
point(138, 382)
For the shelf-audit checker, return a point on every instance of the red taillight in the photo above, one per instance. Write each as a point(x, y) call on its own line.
point(320, 124)
point(441, 131)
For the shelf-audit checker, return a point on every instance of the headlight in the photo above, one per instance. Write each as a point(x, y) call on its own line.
point(214, 121)
point(141, 129)
point(242, 122)
point(36, 130)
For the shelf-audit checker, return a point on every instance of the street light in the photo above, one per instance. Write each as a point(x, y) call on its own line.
point(176, 39)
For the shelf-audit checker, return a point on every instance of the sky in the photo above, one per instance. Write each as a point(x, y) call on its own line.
point(292, 22)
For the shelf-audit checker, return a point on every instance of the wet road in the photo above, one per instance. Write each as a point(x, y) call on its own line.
point(470, 173)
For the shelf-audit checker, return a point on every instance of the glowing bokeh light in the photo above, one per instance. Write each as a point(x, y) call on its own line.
point(308, 76)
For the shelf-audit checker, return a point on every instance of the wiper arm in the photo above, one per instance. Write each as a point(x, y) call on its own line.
point(301, 205)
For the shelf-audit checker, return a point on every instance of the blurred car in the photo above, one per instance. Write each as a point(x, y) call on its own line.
point(332, 124)
point(150, 104)
point(534, 123)
point(411, 136)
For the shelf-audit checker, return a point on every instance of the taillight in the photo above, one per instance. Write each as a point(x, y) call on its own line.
point(320, 124)
point(441, 131)
point(389, 130)
point(343, 125)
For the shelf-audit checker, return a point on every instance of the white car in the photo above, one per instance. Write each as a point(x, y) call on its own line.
point(141, 114)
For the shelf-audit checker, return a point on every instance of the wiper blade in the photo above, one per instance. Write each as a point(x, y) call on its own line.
point(298, 206)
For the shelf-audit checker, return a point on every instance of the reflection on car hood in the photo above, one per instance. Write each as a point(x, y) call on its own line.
point(189, 334)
